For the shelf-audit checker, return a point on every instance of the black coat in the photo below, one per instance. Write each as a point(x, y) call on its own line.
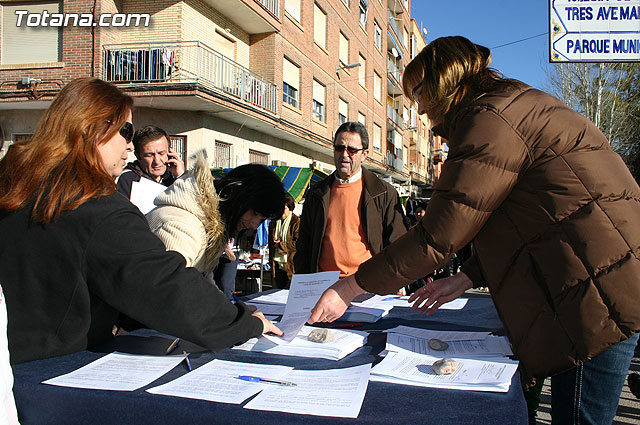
point(65, 283)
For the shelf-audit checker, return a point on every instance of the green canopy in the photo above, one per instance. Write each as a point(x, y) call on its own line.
point(296, 180)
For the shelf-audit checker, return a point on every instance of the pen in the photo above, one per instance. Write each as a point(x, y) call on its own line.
point(172, 346)
point(187, 361)
point(268, 381)
point(346, 325)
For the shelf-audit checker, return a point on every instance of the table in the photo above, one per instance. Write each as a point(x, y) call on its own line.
point(383, 404)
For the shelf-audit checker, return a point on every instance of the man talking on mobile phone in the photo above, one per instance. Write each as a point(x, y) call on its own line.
point(155, 161)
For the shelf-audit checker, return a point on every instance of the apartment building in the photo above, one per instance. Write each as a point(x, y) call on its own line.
point(264, 81)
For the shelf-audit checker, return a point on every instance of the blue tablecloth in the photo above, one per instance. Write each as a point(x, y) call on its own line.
point(383, 403)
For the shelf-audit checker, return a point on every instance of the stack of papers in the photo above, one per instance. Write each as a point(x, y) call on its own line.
point(334, 392)
point(345, 342)
point(481, 358)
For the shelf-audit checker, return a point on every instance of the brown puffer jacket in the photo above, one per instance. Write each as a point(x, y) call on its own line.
point(554, 215)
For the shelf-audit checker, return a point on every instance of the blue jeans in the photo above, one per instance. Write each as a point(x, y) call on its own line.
point(589, 394)
point(225, 276)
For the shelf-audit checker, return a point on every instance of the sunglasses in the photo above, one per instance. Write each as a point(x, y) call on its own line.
point(350, 149)
point(126, 131)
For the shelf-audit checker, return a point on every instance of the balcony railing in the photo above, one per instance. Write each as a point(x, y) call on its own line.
point(393, 70)
point(272, 6)
point(393, 161)
point(393, 21)
point(187, 62)
point(395, 116)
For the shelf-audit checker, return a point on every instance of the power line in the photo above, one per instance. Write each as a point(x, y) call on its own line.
point(521, 40)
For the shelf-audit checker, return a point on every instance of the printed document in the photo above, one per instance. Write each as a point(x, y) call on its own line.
point(304, 292)
point(118, 372)
point(144, 192)
point(441, 335)
point(333, 392)
point(218, 381)
point(491, 345)
point(345, 342)
point(472, 374)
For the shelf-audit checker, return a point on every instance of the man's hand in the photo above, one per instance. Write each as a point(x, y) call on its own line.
point(440, 291)
point(175, 163)
point(335, 300)
point(267, 326)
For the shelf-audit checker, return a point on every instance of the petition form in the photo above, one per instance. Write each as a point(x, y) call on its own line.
point(305, 291)
point(333, 392)
point(218, 381)
point(118, 371)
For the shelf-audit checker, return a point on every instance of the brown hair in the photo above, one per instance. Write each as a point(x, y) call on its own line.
point(450, 69)
point(60, 167)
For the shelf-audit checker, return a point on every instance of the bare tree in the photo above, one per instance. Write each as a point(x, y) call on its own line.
point(607, 94)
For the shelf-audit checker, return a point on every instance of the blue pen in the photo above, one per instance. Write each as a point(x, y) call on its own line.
point(265, 380)
point(389, 299)
point(187, 361)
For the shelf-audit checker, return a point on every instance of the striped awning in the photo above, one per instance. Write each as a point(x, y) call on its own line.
point(296, 180)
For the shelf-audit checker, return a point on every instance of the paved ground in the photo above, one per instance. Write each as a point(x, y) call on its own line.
point(628, 409)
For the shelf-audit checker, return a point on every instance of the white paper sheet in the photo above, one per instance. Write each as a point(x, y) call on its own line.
point(471, 374)
point(345, 342)
point(334, 392)
point(118, 372)
point(144, 192)
point(442, 335)
point(218, 381)
point(491, 345)
point(269, 309)
point(304, 292)
point(278, 297)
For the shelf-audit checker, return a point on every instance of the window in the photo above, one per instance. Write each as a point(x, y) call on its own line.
point(414, 46)
point(179, 145)
point(377, 35)
point(292, 7)
point(405, 38)
point(224, 45)
point(222, 155)
point(362, 71)
point(290, 83)
point(25, 44)
point(364, 9)
point(256, 157)
point(318, 101)
point(343, 53)
point(362, 119)
point(377, 87)
point(319, 26)
point(405, 116)
point(343, 111)
point(377, 137)
point(413, 117)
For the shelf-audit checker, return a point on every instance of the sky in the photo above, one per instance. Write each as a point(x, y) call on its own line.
point(494, 24)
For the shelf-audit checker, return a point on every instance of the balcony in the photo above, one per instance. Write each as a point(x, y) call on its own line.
point(395, 26)
point(393, 161)
point(188, 62)
point(395, 116)
point(253, 16)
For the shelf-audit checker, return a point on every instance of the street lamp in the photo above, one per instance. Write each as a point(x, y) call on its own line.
point(347, 66)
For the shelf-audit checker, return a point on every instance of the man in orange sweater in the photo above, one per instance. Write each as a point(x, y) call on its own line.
point(350, 215)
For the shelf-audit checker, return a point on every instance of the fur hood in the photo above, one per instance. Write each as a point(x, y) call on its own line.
point(195, 193)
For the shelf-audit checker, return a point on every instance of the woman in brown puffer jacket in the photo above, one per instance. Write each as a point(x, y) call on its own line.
point(554, 215)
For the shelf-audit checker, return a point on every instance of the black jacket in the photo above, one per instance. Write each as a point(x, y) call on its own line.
point(65, 283)
point(133, 173)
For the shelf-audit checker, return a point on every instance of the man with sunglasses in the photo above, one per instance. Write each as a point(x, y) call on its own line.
point(156, 161)
point(350, 215)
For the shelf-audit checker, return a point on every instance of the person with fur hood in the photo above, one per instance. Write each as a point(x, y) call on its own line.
point(196, 216)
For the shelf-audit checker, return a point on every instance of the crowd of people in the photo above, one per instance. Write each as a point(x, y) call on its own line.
point(531, 203)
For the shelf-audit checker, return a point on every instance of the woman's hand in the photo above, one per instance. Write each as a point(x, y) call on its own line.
point(439, 292)
point(267, 326)
point(335, 300)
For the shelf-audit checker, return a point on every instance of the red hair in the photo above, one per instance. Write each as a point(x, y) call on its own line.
point(60, 168)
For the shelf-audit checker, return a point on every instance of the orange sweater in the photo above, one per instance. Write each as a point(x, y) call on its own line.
point(344, 246)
